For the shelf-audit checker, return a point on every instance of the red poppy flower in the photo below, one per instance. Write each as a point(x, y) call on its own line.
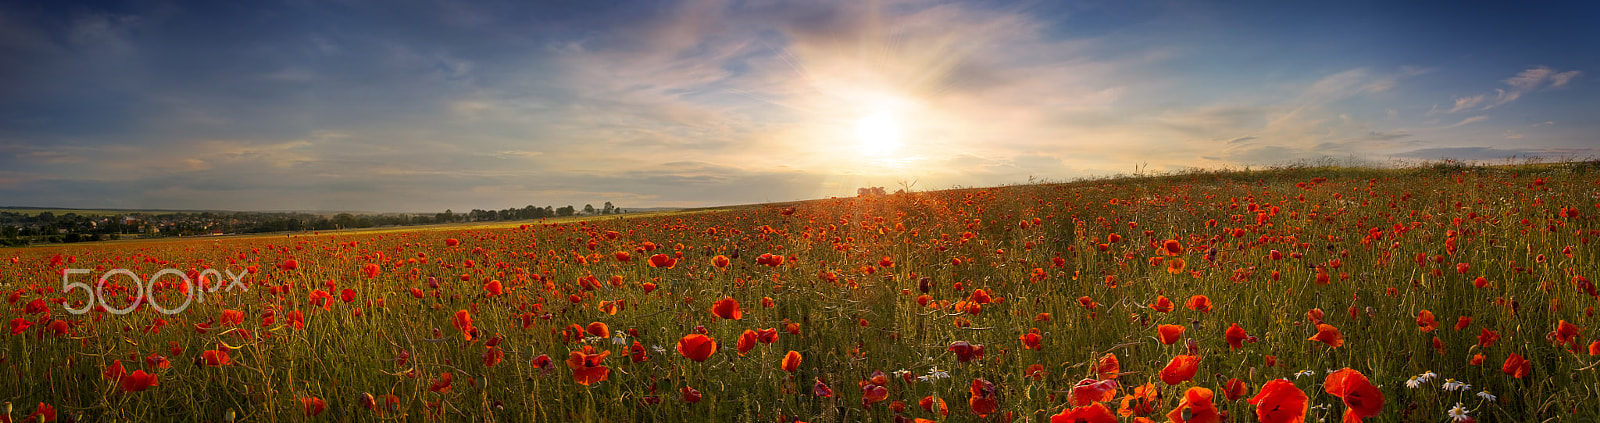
point(1107, 367)
point(57, 328)
point(747, 341)
point(1328, 334)
point(821, 390)
point(1462, 322)
point(1034, 371)
point(1235, 336)
point(462, 321)
point(980, 296)
point(982, 401)
point(663, 260)
point(791, 361)
point(727, 308)
point(1361, 398)
point(1141, 402)
point(965, 351)
point(598, 329)
point(767, 336)
point(492, 356)
point(1199, 303)
point(1280, 402)
point(934, 404)
point(18, 325)
point(45, 413)
point(1516, 366)
point(1486, 338)
point(493, 288)
point(451, 242)
point(1092, 413)
point(1031, 340)
point(115, 371)
point(1180, 369)
point(442, 384)
point(697, 347)
point(1175, 266)
point(1169, 334)
point(1090, 391)
point(1235, 389)
point(690, 395)
point(1171, 247)
point(1195, 408)
point(588, 366)
point(231, 318)
point(289, 264)
point(1425, 321)
point(1566, 333)
point(720, 261)
point(313, 405)
point(1162, 304)
point(320, 298)
point(137, 381)
point(296, 319)
point(872, 393)
point(218, 357)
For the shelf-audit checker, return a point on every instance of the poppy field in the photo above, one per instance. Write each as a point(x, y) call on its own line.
point(1430, 294)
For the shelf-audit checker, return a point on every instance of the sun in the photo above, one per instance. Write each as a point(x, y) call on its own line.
point(879, 134)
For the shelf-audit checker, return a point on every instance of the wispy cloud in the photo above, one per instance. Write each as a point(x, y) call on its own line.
point(1468, 121)
point(1464, 103)
point(1531, 80)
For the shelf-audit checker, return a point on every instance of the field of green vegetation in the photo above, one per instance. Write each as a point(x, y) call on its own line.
point(1428, 294)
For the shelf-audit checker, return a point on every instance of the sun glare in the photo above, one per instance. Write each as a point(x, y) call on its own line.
point(879, 134)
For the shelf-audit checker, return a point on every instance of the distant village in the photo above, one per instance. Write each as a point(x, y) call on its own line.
point(20, 227)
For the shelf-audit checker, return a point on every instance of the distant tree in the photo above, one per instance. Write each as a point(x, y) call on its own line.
point(871, 191)
point(566, 211)
point(608, 209)
point(344, 220)
point(588, 209)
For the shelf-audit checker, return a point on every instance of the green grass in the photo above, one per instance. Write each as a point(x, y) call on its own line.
point(339, 356)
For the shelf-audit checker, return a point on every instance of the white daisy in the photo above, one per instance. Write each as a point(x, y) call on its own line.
point(1487, 396)
point(1459, 412)
point(1304, 373)
point(1413, 382)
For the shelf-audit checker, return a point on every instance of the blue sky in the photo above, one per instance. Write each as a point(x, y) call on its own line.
point(427, 105)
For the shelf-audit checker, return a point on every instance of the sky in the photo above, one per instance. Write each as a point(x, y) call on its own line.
point(421, 106)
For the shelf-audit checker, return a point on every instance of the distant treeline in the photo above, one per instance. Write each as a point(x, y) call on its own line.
point(22, 228)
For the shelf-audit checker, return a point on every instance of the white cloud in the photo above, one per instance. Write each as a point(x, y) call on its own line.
point(1468, 121)
point(1531, 80)
point(1464, 103)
